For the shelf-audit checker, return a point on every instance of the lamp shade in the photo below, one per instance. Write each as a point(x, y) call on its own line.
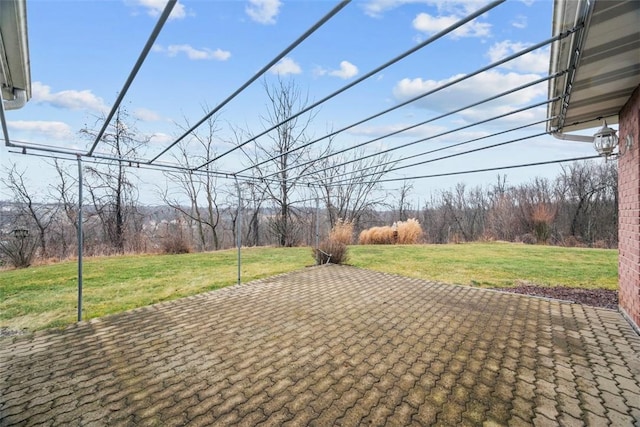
point(21, 233)
point(605, 140)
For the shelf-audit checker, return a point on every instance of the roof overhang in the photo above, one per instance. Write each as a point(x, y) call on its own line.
point(15, 73)
point(603, 60)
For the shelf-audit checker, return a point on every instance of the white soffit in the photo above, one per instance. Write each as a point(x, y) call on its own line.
point(606, 54)
point(15, 73)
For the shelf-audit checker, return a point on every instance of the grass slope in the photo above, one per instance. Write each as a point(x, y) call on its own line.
point(45, 296)
point(495, 264)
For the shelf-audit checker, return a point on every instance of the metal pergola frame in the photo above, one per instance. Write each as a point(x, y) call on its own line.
point(92, 155)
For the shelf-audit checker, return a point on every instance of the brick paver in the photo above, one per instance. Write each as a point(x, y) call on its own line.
point(326, 346)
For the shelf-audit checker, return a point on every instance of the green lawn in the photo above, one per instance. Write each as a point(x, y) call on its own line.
point(45, 296)
point(495, 264)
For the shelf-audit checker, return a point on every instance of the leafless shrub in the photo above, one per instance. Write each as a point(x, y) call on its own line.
point(18, 251)
point(175, 244)
point(573, 242)
point(456, 238)
point(601, 244)
point(542, 218)
point(487, 236)
point(331, 251)
point(528, 239)
point(334, 249)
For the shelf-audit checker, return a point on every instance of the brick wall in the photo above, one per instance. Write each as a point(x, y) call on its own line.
point(629, 211)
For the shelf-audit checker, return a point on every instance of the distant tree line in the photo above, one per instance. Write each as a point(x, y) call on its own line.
point(199, 210)
point(577, 208)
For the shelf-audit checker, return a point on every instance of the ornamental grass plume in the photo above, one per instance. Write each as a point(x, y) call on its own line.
point(377, 236)
point(342, 232)
point(409, 232)
point(402, 232)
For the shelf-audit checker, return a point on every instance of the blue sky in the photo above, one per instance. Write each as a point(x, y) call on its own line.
point(82, 51)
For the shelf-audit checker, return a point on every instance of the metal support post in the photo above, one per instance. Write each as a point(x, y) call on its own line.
point(80, 238)
point(239, 230)
point(317, 222)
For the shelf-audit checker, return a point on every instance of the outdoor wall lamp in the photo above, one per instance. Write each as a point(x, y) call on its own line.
point(21, 233)
point(628, 143)
point(605, 140)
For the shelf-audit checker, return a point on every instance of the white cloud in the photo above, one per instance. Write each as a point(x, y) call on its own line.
point(50, 129)
point(319, 71)
point(519, 22)
point(492, 110)
point(448, 13)
point(375, 8)
point(430, 24)
point(382, 130)
point(146, 115)
point(263, 11)
point(346, 71)
point(533, 62)
point(68, 99)
point(472, 90)
point(193, 53)
point(160, 138)
point(286, 66)
point(155, 7)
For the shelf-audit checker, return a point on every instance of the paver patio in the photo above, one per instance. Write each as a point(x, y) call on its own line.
point(331, 346)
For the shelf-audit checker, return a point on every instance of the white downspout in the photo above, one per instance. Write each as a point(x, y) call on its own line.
point(567, 137)
point(19, 100)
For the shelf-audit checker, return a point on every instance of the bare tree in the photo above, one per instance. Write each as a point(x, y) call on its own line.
point(500, 222)
point(402, 200)
point(590, 193)
point(200, 188)
point(528, 197)
point(29, 211)
point(111, 187)
point(65, 194)
point(349, 185)
point(255, 197)
point(253, 192)
point(281, 156)
point(433, 220)
point(465, 209)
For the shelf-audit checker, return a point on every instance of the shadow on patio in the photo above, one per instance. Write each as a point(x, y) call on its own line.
point(331, 346)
